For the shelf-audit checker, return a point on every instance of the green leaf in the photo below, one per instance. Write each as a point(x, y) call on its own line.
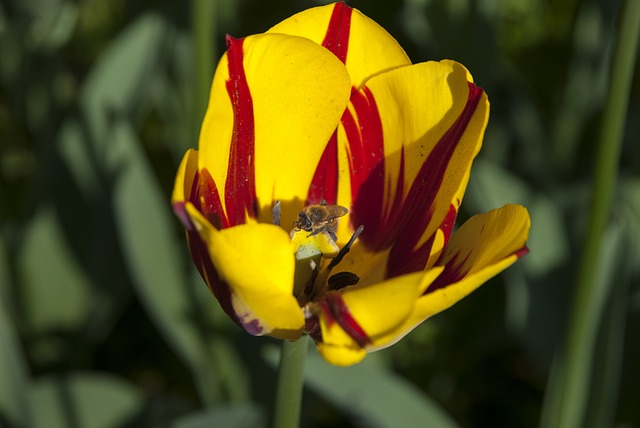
point(548, 241)
point(535, 286)
point(87, 400)
point(151, 252)
point(5, 277)
point(14, 406)
point(234, 416)
point(491, 186)
point(370, 394)
point(112, 87)
point(52, 23)
point(615, 278)
point(55, 291)
point(629, 207)
point(376, 397)
point(118, 79)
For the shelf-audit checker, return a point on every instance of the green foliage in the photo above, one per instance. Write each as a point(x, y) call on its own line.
point(83, 399)
point(104, 321)
point(230, 416)
point(370, 394)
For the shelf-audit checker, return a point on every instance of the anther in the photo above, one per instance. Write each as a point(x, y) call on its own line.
point(275, 212)
point(342, 279)
point(344, 250)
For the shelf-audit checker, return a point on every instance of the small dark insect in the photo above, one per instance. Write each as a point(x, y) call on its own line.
point(320, 219)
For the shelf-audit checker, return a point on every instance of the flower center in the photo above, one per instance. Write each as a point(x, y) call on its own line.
point(316, 251)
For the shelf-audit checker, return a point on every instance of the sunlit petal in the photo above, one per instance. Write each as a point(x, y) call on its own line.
point(484, 246)
point(275, 101)
point(185, 177)
point(365, 47)
point(366, 317)
point(257, 262)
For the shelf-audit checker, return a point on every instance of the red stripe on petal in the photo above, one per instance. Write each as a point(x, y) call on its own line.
point(401, 262)
point(366, 165)
point(398, 223)
point(209, 203)
point(335, 309)
point(180, 211)
point(456, 269)
point(324, 185)
point(449, 221)
point(453, 272)
point(209, 274)
point(417, 209)
point(337, 37)
point(179, 208)
point(240, 191)
point(203, 263)
point(522, 252)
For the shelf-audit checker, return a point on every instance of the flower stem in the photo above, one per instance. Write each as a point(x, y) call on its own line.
point(203, 17)
point(290, 382)
point(569, 390)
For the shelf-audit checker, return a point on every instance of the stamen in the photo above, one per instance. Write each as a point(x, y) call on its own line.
point(310, 288)
point(344, 250)
point(313, 250)
point(275, 212)
point(342, 279)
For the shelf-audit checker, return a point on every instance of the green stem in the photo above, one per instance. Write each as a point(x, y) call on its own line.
point(290, 382)
point(203, 21)
point(568, 393)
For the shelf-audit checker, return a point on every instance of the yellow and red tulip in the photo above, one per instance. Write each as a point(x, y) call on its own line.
point(326, 106)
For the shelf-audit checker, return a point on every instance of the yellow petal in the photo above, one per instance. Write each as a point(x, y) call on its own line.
point(256, 261)
point(341, 352)
point(368, 48)
point(297, 93)
point(358, 318)
point(380, 307)
point(370, 266)
point(185, 177)
point(483, 247)
point(185, 193)
point(399, 331)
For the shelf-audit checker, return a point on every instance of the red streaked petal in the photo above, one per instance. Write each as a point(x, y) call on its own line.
point(335, 310)
point(363, 129)
point(256, 262)
point(275, 102)
point(185, 186)
point(364, 46)
point(202, 261)
point(187, 192)
point(411, 156)
point(324, 185)
point(419, 207)
point(483, 241)
point(209, 203)
point(240, 190)
point(367, 317)
point(337, 37)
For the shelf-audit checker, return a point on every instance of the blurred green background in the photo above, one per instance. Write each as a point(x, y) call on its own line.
point(104, 322)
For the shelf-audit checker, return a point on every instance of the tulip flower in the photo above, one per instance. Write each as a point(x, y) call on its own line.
point(326, 112)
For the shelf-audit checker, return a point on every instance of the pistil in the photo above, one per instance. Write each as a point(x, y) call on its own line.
point(316, 254)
